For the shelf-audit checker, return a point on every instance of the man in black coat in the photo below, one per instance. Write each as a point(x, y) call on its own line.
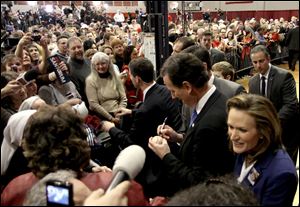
point(215, 54)
point(204, 150)
point(280, 88)
point(292, 42)
point(156, 107)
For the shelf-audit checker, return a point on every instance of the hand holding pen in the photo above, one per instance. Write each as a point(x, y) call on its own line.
point(163, 126)
point(169, 134)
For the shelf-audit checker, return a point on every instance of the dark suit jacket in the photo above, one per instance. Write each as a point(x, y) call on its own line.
point(204, 151)
point(292, 39)
point(216, 56)
point(276, 178)
point(158, 105)
point(281, 90)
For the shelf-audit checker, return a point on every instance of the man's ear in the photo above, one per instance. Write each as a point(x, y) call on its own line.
point(228, 77)
point(205, 65)
point(187, 86)
point(138, 79)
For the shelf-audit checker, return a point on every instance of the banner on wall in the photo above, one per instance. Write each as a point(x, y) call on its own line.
point(149, 48)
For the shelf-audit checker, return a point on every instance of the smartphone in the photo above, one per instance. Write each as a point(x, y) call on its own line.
point(59, 193)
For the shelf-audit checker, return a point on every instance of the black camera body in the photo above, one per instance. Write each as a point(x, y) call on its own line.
point(13, 41)
point(59, 193)
point(36, 38)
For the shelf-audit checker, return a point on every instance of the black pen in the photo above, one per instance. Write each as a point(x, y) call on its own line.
point(163, 125)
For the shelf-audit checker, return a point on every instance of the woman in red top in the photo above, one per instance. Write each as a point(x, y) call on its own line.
point(133, 95)
point(247, 43)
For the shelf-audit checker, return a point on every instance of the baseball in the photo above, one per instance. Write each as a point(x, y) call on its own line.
point(157, 139)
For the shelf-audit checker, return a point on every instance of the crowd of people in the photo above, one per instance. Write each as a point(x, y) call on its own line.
point(76, 89)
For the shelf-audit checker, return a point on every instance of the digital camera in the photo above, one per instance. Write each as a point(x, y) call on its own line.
point(59, 193)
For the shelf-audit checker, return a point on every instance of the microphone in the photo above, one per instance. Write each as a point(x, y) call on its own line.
point(63, 78)
point(128, 164)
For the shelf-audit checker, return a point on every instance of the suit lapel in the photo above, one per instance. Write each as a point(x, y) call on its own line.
point(255, 85)
point(210, 102)
point(270, 81)
point(258, 169)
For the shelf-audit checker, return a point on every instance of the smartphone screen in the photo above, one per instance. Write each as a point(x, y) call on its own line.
point(59, 193)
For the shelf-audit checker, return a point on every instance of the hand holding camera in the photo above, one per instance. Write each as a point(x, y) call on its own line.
point(25, 40)
point(44, 41)
point(10, 88)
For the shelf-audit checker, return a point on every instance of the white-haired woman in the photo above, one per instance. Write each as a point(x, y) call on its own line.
point(104, 89)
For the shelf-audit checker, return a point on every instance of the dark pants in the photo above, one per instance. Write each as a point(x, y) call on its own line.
point(119, 24)
point(293, 57)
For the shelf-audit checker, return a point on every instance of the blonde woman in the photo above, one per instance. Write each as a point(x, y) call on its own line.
point(104, 89)
point(262, 163)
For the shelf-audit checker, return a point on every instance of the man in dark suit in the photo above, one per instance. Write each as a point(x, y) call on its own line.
point(292, 42)
point(181, 43)
point(204, 150)
point(226, 87)
point(215, 55)
point(157, 105)
point(279, 86)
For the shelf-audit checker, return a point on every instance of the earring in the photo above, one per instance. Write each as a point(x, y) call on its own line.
point(261, 138)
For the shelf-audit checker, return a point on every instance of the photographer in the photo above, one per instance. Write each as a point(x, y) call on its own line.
point(55, 139)
point(221, 14)
point(81, 193)
point(206, 16)
point(38, 53)
point(9, 42)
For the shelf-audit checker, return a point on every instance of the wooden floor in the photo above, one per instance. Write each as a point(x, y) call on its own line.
point(244, 81)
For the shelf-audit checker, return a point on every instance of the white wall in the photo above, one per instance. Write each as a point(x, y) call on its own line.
point(283, 5)
point(125, 9)
point(23, 8)
point(111, 9)
point(255, 5)
point(211, 5)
